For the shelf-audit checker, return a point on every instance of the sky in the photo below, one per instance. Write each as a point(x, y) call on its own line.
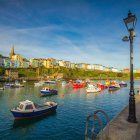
point(80, 31)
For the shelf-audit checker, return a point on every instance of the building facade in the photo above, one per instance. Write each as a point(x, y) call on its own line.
point(11, 74)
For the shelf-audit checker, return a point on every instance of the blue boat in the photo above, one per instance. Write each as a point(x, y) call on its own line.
point(114, 86)
point(122, 84)
point(28, 109)
point(9, 85)
point(50, 82)
point(47, 91)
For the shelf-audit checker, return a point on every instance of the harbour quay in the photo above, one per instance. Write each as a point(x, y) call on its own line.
point(120, 129)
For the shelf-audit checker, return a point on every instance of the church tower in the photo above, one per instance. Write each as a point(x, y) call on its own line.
point(12, 53)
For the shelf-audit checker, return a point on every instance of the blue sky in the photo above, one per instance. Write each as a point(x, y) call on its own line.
point(88, 31)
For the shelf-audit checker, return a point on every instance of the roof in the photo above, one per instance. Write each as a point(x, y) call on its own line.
point(26, 102)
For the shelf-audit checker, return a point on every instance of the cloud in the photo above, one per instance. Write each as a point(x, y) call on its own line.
point(42, 42)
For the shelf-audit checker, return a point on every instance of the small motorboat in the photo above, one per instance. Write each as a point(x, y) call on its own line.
point(17, 84)
point(92, 89)
point(50, 82)
point(107, 83)
point(28, 109)
point(23, 81)
point(114, 86)
point(1, 88)
point(64, 83)
point(47, 91)
point(37, 84)
point(102, 86)
point(78, 84)
point(122, 84)
point(9, 85)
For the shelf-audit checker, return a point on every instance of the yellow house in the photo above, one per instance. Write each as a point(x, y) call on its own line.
point(72, 65)
point(49, 63)
point(127, 70)
point(137, 71)
point(107, 69)
point(17, 57)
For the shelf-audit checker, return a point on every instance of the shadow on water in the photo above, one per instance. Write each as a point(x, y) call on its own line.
point(113, 91)
point(27, 122)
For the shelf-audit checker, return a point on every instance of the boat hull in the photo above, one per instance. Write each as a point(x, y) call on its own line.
point(76, 85)
point(26, 115)
point(102, 87)
point(50, 82)
point(92, 91)
point(123, 85)
point(112, 88)
point(1, 88)
point(47, 93)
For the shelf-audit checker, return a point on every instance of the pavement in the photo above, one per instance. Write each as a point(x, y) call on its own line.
point(120, 128)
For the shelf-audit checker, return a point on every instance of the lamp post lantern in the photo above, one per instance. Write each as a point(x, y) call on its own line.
point(130, 22)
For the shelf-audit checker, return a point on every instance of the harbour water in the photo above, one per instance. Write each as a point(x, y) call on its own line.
point(68, 123)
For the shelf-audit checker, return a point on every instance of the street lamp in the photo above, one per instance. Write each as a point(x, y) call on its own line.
point(130, 23)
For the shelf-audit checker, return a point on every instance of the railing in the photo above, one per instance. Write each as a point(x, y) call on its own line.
point(137, 91)
point(93, 135)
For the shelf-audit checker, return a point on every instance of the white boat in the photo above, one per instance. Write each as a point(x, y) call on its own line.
point(28, 109)
point(23, 81)
point(63, 83)
point(47, 91)
point(92, 89)
point(9, 85)
point(91, 85)
point(123, 84)
point(37, 84)
point(17, 84)
point(50, 82)
point(1, 88)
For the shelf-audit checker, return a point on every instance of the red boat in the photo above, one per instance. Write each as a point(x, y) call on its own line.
point(102, 86)
point(77, 84)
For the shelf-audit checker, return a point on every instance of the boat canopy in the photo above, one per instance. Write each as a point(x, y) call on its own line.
point(26, 102)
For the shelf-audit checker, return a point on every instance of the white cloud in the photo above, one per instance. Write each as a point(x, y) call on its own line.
point(42, 42)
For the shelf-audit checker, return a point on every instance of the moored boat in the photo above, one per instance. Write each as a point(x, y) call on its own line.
point(28, 109)
point(50, 82)
point(64, 83)
point(107, 83)
point(17, 84)
point(114, 86)
point(23, 81)
point(122, 84)
point(47, 91)
point(102, 86)
point(92, 88)
point(9, 85)
point(1, 88)
point(37, 84)
point(78, 84)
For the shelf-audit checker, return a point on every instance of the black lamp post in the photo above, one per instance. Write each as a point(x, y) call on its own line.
point(130, 23)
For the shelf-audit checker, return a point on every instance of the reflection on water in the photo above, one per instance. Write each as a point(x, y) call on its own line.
point(70, 119)
point(31, 121)
point(114, 91)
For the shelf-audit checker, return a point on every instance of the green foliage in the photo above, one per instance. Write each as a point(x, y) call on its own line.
point(1, 71)
point(30, 72)
point(70, 73)
point(119, 74)
point(137, 75)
